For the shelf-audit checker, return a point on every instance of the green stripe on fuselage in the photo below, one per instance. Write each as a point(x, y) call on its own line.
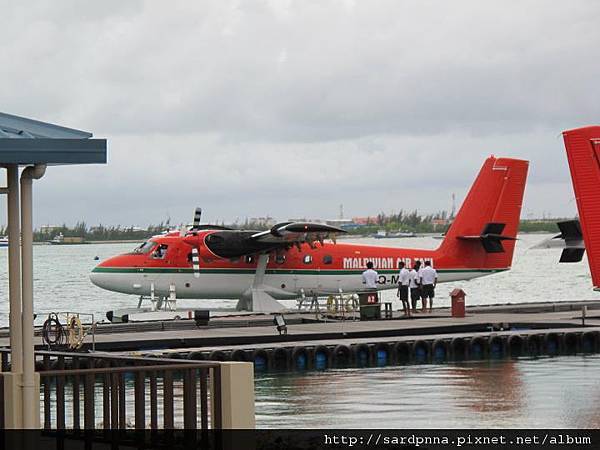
point(251, 271)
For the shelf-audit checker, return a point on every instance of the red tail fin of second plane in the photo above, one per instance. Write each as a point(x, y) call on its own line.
point(583, 153)
point(484, 231)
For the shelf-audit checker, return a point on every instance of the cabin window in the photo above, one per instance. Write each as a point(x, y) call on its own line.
point(215, 239)
point(307, 259)
point(145, 247)
point(327, 259)
point(249, 259)
point(160, 252)
point(280, 259)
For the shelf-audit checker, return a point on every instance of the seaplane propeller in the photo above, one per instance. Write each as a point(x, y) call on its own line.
point(197, 216)
point(184, 231)
point(195, 223)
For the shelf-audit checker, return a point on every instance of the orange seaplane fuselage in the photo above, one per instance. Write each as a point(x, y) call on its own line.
point(294, 259)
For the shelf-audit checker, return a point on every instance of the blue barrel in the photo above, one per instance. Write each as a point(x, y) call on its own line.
point(421, 352)
point(440, 354)
point(320, 360)
point(496, 348)
point(301, 361)
point(381, 357)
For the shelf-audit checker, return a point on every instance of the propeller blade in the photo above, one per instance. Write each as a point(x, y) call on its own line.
point(196, 262)
point(197, 216)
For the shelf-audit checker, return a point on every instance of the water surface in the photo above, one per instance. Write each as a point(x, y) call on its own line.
point(525, 393)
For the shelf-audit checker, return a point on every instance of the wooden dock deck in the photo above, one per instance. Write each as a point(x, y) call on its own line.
point(257, 331)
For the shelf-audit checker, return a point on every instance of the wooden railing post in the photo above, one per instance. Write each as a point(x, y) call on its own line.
point(88, 402)
point(140, 400)
point(168, 421)
point(190, 417)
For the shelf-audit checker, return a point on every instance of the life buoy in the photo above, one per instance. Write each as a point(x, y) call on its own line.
point(351, 304)
point(75, 333)
point(332, 304)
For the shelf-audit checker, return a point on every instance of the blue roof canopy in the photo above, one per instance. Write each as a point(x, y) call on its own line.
point(25, 141)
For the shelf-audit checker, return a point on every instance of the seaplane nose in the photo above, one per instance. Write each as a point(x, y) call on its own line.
point(95, 277)
point(101, 274)
point(98, 276)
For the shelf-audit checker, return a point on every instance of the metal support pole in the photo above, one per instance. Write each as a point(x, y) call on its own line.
point(31, 401)
point(14, 270)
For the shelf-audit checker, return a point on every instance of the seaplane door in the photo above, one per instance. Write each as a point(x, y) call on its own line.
point(159, 287)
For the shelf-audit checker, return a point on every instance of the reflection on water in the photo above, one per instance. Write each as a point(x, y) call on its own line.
point(545, 392)
point(493, 387)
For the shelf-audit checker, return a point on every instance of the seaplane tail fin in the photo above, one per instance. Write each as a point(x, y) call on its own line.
point(583, 153)
point(484, 231)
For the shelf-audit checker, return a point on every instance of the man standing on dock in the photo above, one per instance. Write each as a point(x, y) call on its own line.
point(415, 287)
point(428, 284)
point(403, 282)
point(370, 276)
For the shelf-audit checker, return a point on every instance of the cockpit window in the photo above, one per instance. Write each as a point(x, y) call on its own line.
point(160, 252)
point(144, 248)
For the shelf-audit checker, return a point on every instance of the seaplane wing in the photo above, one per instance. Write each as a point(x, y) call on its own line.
point(297, 233)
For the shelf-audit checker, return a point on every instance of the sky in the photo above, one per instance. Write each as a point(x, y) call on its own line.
point(292, 108)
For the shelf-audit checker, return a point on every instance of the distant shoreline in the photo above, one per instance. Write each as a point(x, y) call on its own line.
point(343, 237)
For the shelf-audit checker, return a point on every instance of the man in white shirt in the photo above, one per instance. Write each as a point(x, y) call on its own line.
point(370, 277)
point(428, 283)
point(414, 286)
point(403, 282)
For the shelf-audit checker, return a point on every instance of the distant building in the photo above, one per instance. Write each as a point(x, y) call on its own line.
point(267, 221)
point(48, 228)
point(339, 222)
point(365, 220)
point(440, 223)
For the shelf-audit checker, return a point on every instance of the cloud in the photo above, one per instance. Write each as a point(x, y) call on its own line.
point(291, 108)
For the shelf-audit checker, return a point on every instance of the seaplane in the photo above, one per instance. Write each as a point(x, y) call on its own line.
point(583, 153)
point(297, 259)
